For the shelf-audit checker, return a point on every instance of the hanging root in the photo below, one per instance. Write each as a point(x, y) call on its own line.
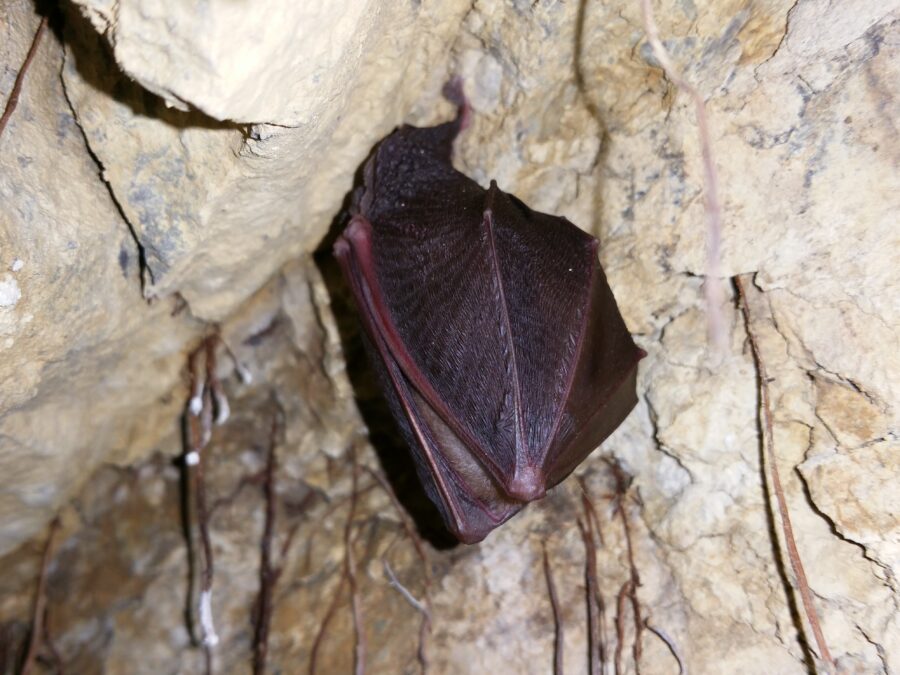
point(404, 519)
point(713, 283)
point(38, 631)
point(557, 617)
point(268, 572)
point(208, 406)
point(619, 507)
point(716, 323)
point(206, 396)
point(323, 626)
point(395, 583)
point(422, 607)
point(350, 568)
point(772, 462)
point(344, 578)
point(590, 511)
point(195, 459)
point(13, 99)
point(670, 643)
point(409, 527)
point(597, 638)
point(621, 602)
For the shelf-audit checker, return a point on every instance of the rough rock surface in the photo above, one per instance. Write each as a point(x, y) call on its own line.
point(87, 367)
point(219, 206)
point(110, 193)
point(572, 115)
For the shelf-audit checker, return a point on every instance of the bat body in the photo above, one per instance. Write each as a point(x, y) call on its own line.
point(491, 327)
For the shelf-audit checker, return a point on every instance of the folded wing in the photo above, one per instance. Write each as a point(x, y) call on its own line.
point(494, 332)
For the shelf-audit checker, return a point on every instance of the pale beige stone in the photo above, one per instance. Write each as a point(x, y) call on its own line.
point(87, 367)
point(243, 63)
point(856, 490)
point(800, 97)
point(848, 414)
point(218, 206)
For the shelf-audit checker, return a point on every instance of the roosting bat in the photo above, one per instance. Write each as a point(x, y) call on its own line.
point(493, 331)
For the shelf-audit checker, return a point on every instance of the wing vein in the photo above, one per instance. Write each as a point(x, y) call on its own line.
point(585, 318)
point(504, 311)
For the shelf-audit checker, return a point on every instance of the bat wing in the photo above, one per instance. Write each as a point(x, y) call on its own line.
point(576, 361)
point(495, 335)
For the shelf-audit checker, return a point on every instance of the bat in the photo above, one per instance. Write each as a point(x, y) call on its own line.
point(491, 328)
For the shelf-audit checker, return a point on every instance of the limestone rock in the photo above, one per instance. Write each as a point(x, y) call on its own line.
point(219, 206)
point(573, 115)
point(110, 192)
point(234, 62)
point(87, 367)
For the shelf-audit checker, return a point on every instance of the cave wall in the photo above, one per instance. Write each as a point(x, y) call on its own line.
point(114, 194)
point(157, 183)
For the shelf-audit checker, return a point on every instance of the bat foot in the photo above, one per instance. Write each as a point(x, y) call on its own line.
point(453, 92)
